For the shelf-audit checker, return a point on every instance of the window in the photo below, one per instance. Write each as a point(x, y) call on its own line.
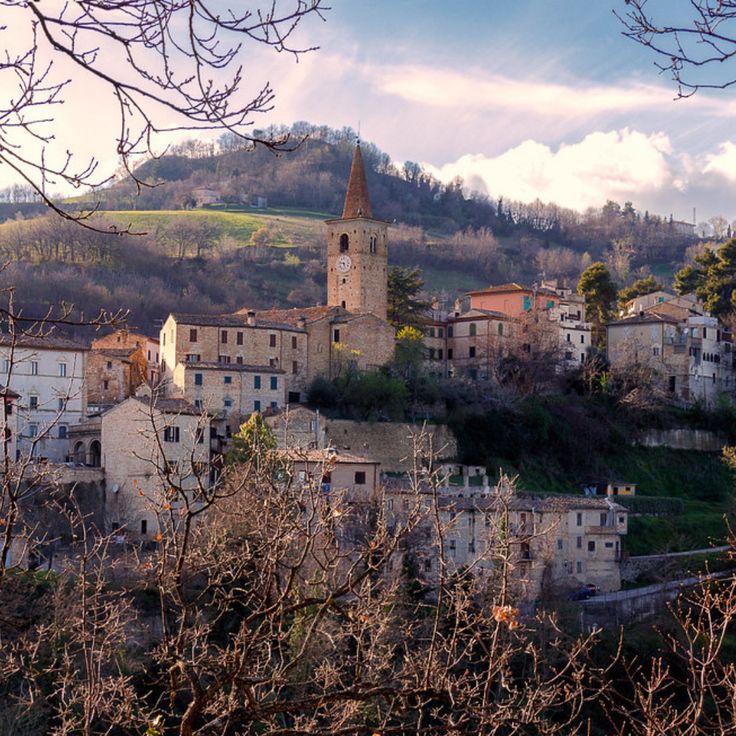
point(238, 338)
point(192, 357)
point(472, 330)
point(609, 545)
point(431, 353)
point(449, 331)
point(272, 362)
point(621, 519)
point(274, 405)
point(579, 567)
point(550, 304)
point(33, 430)
point(197, 379)
point(582, 339)
point(256, 382)
point(63, 431)
point(591, 546)
point(440, 332)
point(655, 350)
point(294, 367)
point(198, 404)
point(223, 358)
point(274, 383)
point(427, 565)
point(471, 351)
point(239, 360)
point(256, 406)
point(527, 303)
point(336, 336)
point(34, 367)
point(525, 550)
point(228, 379)
point(579, 518)
point(33, 402)
point(359, 478)
point(344, 243)
point(568, 337)
point(60, 404)
point(449, 353)
point(228, 403)
point(144, 526)
point(293, 342)
point(500, 329)
point(372, 244)
point(431, 331)
point(6, 366)
point(109, 365)
point(604, 519)
point(223, 337)
point(171, 434)
point(559, 544)
point(62, 370)
point(272, 341)
point(439, 354)
point(192, 335)
point(579, 542)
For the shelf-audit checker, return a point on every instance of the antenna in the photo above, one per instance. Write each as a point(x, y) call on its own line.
point(358, 141)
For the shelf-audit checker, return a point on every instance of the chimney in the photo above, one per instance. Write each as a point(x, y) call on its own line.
point(251, 318)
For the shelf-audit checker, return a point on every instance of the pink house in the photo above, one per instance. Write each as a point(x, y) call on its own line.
point(513, 300)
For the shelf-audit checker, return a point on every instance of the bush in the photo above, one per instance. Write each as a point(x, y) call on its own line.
point(652, 505)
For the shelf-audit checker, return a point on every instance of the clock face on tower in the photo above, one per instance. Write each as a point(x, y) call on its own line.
point(343, 264)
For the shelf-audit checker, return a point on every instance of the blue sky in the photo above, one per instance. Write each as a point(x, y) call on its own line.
point(521, 98)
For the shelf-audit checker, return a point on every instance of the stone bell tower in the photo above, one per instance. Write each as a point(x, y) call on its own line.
point(357, 251)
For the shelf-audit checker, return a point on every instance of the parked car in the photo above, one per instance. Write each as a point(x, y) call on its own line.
point(582, 594)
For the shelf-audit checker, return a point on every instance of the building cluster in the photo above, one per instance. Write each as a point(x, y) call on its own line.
point(143, 409)
point(688, 353)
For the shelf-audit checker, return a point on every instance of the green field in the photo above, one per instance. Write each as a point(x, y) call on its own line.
point(289, 228)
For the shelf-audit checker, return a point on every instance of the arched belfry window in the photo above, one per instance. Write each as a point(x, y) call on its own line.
point(373, 244)
point(344, 243)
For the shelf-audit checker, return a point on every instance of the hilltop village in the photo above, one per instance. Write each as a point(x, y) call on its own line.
point(130, 414)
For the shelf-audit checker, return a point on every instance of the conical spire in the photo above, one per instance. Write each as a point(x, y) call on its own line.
point(357, 201)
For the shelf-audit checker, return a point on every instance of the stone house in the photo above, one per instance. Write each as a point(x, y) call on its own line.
point(148, 446)
point(112, 376)
point(48, 374)
point(690, 355)
point(145, 349)
point(556, 544)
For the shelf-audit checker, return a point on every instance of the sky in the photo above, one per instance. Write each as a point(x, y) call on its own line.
point(525, 99)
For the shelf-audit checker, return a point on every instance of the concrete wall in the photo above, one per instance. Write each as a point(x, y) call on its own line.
point(386, 442)
point(683, 439)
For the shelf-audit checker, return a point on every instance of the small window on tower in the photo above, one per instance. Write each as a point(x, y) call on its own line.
point(344, 243)
point(373, 244)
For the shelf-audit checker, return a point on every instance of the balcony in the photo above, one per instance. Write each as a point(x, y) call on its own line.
point(607, 530)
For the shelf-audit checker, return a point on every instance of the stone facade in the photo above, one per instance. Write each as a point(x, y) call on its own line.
point(145, 349)
point(557, 544)
point(113, 375)
point(388, 443)
point(145, 449)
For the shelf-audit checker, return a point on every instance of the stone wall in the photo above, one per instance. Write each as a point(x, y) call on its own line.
point(387, 442)
point(683, 439)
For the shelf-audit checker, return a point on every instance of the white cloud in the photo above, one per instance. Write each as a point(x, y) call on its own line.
point(616, 165)
point(475, 90)
point(723, 162)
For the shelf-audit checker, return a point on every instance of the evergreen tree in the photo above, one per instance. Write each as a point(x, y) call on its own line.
point(405, 307)
point(641, 287)
point(712, 278)
point(599, 291)
point(255, 442)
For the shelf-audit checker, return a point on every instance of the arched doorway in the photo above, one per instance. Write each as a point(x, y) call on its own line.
point(80, 454)
point(95, 454)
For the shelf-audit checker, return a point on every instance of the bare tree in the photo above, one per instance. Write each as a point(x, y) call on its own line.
point(689, 49)
point(169, 66)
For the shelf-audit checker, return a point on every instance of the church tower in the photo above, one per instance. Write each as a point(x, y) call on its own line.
point(357, 251)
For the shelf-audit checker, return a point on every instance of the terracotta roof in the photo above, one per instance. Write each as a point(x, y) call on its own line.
point(357, 201)
point(237, 319)
point(329, 457)
point(292, 316)
point(50, 342)
point(646, 318)
point(512, 287)
point(169, 406)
